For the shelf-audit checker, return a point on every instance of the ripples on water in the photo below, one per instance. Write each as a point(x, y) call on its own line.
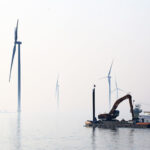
point(45, 132)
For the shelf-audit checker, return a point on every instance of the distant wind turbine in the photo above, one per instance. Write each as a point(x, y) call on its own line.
point(109, 83)
point(117, 89)
point(16, 42)
point(57, 91)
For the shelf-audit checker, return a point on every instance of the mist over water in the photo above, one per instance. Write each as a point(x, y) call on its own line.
point(57, 131)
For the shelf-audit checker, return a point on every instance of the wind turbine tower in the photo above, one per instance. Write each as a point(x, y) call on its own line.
point(109, 83)
point(117, 89)
point(57, 91)
point(17, 43)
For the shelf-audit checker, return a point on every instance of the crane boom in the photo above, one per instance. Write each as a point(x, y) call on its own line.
point(113, 112)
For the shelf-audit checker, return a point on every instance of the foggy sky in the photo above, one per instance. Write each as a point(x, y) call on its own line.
point(77, 39)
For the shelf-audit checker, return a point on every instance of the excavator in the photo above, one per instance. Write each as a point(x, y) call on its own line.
point(113, 114)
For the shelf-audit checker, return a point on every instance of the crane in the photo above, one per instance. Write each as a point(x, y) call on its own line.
point(115, 113)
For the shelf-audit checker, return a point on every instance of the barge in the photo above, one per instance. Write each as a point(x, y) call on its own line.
point(108, 120)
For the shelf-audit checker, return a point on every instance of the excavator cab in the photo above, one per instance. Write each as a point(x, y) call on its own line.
point(109, 117)
point(115, 114)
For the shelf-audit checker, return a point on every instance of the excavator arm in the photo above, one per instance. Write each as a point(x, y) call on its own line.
point(113, 112)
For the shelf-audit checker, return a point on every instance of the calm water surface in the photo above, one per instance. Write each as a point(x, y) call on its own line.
point(65, 132)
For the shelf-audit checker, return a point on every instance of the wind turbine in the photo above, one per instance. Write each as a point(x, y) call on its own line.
point(57, 91)
point(17, 43)
point(117, 89)
point(109, 83)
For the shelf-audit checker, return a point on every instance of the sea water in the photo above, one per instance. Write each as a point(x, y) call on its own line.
point(63, 131)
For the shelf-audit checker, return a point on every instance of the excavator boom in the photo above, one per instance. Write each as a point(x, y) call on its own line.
point(112, 114)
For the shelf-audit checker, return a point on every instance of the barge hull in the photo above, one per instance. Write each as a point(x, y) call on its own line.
point(116, 124)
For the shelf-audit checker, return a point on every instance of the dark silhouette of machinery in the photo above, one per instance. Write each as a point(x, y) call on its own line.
point(115, 113)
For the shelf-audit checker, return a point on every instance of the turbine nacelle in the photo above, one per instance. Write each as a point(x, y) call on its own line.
point(18, 42)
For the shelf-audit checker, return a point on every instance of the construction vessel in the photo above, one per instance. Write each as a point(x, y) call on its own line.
point(108, 120)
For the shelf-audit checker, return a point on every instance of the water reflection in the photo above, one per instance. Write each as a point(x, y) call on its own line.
point(124, 137)
point(131, 138)
point(18, 132)
point(93, 138)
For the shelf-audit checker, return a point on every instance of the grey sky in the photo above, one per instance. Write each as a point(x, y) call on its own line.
point(77, 39)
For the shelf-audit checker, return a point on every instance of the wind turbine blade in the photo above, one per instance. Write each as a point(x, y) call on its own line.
point(109, 82)
point(16, 31)
point(116, 83)
point(13, 55)
point(110, 69)
point(57, 84)
point(121, 90)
